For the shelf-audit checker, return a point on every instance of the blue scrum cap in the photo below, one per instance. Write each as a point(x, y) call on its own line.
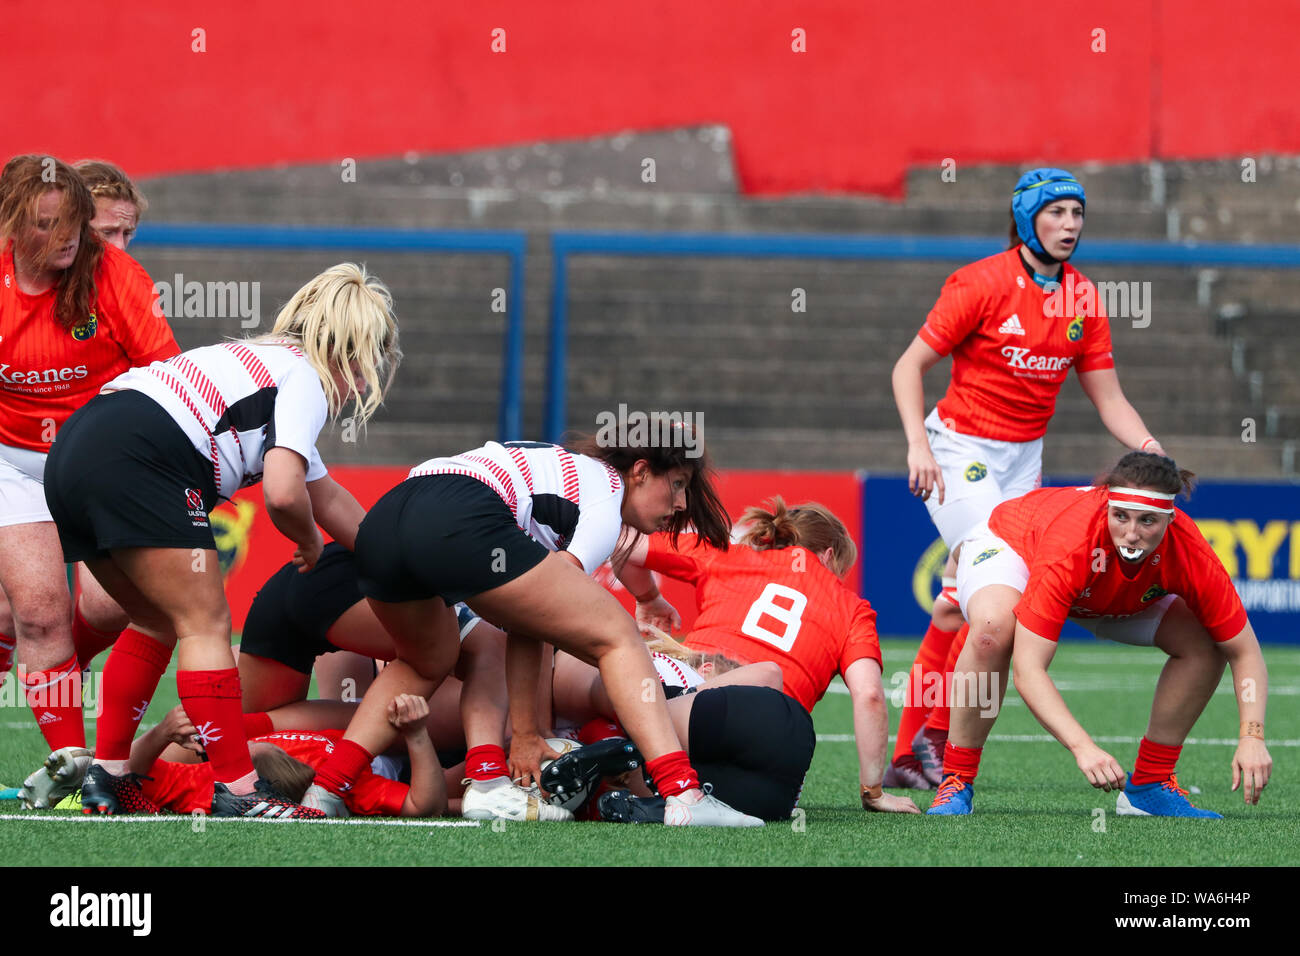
point(1034, 190)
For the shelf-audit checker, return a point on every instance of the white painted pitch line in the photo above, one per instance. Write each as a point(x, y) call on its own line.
point(1046, 739)
point(188, 818)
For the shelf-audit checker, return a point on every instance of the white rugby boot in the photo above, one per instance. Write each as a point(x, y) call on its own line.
point(504, 800)
point(60, 775)
point(704, 810)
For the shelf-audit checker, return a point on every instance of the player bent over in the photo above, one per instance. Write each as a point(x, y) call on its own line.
point(778, 595)
point(134, 473)
point(1122, 561)
point(514, 530)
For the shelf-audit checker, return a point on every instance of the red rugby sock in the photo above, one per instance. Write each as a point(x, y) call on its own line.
point(131, 675)
point(940, 716)
point(54, 696)
point(340, 771)
point(258, 724)
point(1155, 762)
point(921, 684)
point(6, 654)
point(594, 731)
point(673, 774)
point(486, 762)
point(89, 641)
point(212, 702)
point(962, 761)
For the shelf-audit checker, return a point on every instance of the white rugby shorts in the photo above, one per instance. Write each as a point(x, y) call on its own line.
point(978, 475)
point(22, 486)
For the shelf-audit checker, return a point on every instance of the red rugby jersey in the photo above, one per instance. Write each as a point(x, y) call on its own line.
point(47, 372)
point(186, 787)
point(1074, 570)
point(1009, 355)
point(780, 605)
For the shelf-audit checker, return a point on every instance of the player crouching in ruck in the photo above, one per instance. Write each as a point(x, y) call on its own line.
point(1123, 562)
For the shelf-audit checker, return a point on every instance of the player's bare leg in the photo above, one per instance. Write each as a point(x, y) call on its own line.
point(35, 581)
point(979, 685)
point(557, 602)
point(982, 667)
point(427, 641)
point(1188, 679)
point(1186, 683)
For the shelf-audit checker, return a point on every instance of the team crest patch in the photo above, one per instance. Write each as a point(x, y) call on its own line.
point(1075, 330)
point(86, 330)
point(985, 555)
point(975, 471)
point(1153, 592)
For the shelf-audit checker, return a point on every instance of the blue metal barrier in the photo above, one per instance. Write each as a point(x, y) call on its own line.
point(510, 244)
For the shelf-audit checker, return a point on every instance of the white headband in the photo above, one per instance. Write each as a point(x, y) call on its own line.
point(1139, 499)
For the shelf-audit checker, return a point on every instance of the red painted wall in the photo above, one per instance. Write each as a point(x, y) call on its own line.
point(881, 86)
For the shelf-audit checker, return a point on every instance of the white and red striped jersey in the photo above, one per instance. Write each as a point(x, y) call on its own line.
point(563, 501)
point(675, 673)
point(237, 400)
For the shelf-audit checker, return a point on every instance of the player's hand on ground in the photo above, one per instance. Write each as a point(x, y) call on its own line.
point(658, 613)
point(179, 729)
point(527, 751)
point(1102, 770)
point(888, 803)
point(408, 713)
point(1251, 768)
point(923, 473)
point(306, 556)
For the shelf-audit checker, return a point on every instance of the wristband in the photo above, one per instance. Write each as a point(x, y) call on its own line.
point(1252, 728)
point(871, 793)
point(1149, 440)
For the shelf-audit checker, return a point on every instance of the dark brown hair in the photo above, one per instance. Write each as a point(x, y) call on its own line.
point(22, 184)
point(704, 509)
point(810, 525)
point(1142, 469)
point(288, 777)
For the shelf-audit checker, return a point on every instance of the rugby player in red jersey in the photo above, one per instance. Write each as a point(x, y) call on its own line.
point(286, 758)
point(777, 596)
point(74, 314)
point(1015, 324)
point(1123, 562)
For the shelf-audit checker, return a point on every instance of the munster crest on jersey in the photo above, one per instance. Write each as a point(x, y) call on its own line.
point(976, 470)
point(86, 330)
point(1153, 592)
point(1075, 330)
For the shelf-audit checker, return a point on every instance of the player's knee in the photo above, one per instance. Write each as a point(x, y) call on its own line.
point(990, 641)
point(42, 617)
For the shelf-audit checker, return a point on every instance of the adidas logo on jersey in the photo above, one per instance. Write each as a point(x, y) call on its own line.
point(47, 718)
point(1012, 326)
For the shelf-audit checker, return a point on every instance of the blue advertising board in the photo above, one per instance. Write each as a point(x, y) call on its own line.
point(1253, 527)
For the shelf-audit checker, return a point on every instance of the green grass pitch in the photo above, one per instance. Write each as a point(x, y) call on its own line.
point(1032, 806)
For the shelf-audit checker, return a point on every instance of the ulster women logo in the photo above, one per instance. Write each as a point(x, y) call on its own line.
point(86, 330)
